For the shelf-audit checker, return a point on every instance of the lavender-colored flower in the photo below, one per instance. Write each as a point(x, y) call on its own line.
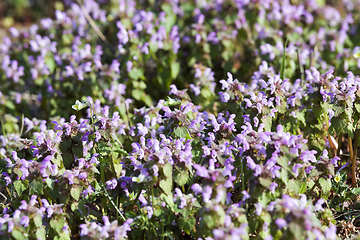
point(111, 184)
point(196, 188)
point(281, 223)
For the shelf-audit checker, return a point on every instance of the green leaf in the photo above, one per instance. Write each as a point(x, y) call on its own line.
point(310, 183)
point(282, 69)
point(283, 161)
point(65, 144)
point(168, 170)
point(57, 160)
point(38, 220)
point(357, 107)
point(50, 62)
point(301, 117)
point(355, 191)
point(18, 235)
point(20, 186)
point(104, 149)
point(77, 150)
point(76, 191)
point(181, 177)
point(325, 185)
point(9, 104)
point(171, 102)
point(303, 188)
point(57, 224)
point(181, 132)
point(339, 109)
point(36, 187)
point(265, 198)
point(320, 3)
point(147, 100)
point(210, 220)
point(168, 198)
point(64, 236)
point(293, 186)
point(137, 93)
point(166, 185)
point(267, 120)
point(265, 182)
point(175, 69)
point(295, 228)
point(121, 151)
point(186, 224)
point(40, 233)
point(283, 106)
point(136, 73)
point(118, 168)
point(170, 16)
point(339, 123)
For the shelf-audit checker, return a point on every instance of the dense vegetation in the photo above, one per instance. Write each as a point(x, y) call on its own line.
point(182, 119)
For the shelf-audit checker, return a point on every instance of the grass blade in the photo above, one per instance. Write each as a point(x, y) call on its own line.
point(282, 69)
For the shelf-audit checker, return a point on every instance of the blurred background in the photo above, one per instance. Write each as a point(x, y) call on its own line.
point(23, 13)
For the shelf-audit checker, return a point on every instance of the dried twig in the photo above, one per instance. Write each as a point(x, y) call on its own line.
point(94, 26)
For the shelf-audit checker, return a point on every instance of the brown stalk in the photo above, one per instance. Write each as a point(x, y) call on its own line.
point(94, 26)
point(353, 166)
point(353, 160)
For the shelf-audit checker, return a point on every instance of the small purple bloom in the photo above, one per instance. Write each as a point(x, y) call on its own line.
point(281, 223)
point(111, 184)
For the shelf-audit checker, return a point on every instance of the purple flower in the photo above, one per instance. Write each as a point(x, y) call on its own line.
point(82, 175)
point(25, 220)
point(258, 208)
point(150, 211)
point(272, 187)
point(196, 188)
point(281, 223)
point(318, 205)
point(201, 171)
point(111, 184)
point(84, 230)
point(307, 156)
point(197, 38)
point(207, 194)
point(218, 234)
point(225, 97)
point(330, 232)
point(87, 191)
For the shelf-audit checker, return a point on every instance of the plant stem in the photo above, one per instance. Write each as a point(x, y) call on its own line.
point(339, 144)
point(242, 179)
point(112, 202)
point(102, 173)
point(353, 167)
point(356, 144)
point(112, 166)
point(242, 176)
point(331, 144)
point(95, 27)
point(128, 115)
point(152, 198)
point(129, 208)
point(22, 125)
point(301, 70)
point(162, 229)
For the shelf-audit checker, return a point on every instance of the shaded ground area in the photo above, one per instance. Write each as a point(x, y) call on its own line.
point(24, 13)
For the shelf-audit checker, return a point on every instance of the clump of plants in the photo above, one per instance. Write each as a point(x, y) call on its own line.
point(181, 120)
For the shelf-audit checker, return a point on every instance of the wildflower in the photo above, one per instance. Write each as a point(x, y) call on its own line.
point(281, 223)
point(80, 105)
point(337, 178)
